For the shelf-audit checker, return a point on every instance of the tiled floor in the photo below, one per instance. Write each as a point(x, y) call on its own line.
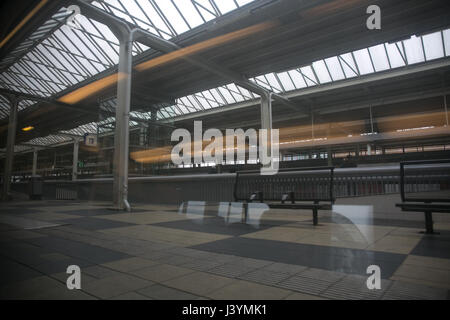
point(160, 252)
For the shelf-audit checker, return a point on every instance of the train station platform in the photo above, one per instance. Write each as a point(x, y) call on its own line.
point(192, 252)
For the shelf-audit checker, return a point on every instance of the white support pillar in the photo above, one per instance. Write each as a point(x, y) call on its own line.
point(12, 126)
point(76, 147)
point(266, 119)
point(369, 149)
point(35, 157)
point(121, 136)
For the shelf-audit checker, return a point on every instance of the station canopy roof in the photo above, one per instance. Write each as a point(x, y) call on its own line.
point(57, 57)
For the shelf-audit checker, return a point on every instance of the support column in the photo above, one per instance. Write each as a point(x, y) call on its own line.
point(76, 145)
point(369, 149)
point(14, 102)
point(35, 157)
point(329, 157)
point(121, 135)
point(266, 111)
point(266, 121)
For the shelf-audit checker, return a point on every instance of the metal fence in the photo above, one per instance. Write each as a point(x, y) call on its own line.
point(66, 191)
point(304, 184)
point(348, 182)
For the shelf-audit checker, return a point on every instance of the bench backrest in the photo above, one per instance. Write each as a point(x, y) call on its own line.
point(307, 184)
point(425, 181)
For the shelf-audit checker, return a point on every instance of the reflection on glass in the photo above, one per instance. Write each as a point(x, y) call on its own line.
point(360, 216)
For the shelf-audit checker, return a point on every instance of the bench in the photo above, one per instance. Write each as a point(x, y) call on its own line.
point(292, 188)
point(425, 187)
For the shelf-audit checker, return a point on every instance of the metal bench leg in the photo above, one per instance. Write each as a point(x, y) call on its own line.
point(315, 218)
point(429, 223)
point(244, 218)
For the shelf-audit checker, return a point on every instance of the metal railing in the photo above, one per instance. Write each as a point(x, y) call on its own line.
point(305, 184)
point(348, 182)
point(66, 191)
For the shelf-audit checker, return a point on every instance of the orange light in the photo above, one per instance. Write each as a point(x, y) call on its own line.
point(205, 45)
point(29, 128)
point(93, 87)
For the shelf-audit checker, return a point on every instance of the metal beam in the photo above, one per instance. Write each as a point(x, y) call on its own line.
point(326, 88)
point(26, 96)
point(167, 46)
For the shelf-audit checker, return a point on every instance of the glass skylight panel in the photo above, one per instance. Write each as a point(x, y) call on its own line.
point(433, 46)
point(81, 130)
point(189, 12)
point(243, 2)
point(286, 81)
point(49, 140)
point(379, 58)
point(185, 102)
point(24, 104)
point(348, 65)
point(205, 103)
point(154, 19)
point(335, 68)
point(446, 36)
point(226, 5)
point(297, 79)
point(105, 32)
point(394, 56)
point(227, 96)
point(262, 82)
point(167, 112)
point(363, 60)
point(171, 13)
point(195, 102)
point(413, 49)
point(208, 95)
point(219, 98)
point(309, 76)
point(116, 8)
point(247, 94)
point(234, 91)
point(274, 82)
point(321, 71)
point(210, 99)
